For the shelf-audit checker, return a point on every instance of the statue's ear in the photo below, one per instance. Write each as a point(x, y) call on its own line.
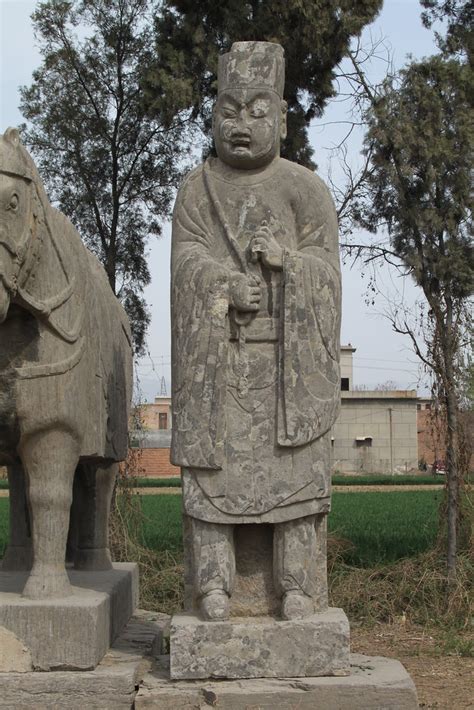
point(12, 136)
point(283, 131)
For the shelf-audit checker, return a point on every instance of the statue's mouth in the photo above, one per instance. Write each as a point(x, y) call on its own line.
point(240, 140)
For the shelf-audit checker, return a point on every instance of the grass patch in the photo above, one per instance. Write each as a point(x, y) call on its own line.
point(162, 523)
point(372, 480)
point(158, 483)
point(379, 527)
point(384, 527)
point(413, 588)
point(386, 480)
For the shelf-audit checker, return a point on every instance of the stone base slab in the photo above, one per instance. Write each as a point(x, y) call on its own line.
point(111, 686)
point(132, 675)
point(260, 647)
point(374, 683)
point(71, 633)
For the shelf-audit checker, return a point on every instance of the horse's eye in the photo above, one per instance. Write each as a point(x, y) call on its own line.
point(13, 204)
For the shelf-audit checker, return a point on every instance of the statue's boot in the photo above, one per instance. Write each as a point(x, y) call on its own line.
point(215, 606)
point(296, 605)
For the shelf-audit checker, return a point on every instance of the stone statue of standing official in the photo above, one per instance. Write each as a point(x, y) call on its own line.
point(255, 327)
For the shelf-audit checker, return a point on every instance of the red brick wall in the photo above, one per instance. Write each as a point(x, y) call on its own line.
point(155, 463)
point(430, 437)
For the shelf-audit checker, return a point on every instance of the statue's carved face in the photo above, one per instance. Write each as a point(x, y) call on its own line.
point(248, 127)
point(14, 209)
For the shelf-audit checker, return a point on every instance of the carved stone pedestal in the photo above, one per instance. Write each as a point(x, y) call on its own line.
point(260, 647)
point(134, 674)
point(73, 633)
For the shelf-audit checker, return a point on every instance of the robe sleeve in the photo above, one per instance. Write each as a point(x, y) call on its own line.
point(199, 316)
point(309, 361)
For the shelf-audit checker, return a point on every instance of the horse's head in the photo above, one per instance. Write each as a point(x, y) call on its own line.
point(15, 210)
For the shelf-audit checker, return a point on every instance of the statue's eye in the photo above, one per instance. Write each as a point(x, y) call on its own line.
point(13, 204)
point(259, 109)
point(228, 112)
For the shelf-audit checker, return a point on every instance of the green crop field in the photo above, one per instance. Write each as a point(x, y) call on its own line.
point(382, 527)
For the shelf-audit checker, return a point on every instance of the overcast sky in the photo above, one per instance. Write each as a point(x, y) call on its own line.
point(381, 354)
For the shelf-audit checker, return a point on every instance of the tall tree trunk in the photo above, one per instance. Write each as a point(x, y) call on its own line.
point(452, 463)
point(452, 471)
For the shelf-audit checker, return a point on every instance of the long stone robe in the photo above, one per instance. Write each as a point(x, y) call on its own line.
point(253, 403)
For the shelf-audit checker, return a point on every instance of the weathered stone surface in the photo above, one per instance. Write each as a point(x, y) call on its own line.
point(255, 327)
point(74, 632)
point(128, 677)
point(111, 686)
point(65, 384)
point(374, 683)
point(259, 647)
point(14, 656)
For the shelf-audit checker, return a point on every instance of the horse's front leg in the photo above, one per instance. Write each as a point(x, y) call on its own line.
point(49, 459)
point(18, 555)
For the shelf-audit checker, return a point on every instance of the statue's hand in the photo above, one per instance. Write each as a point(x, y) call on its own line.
point(265, 247)
point(244, 292)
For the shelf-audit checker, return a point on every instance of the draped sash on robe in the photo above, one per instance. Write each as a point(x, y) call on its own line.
point(202, 263)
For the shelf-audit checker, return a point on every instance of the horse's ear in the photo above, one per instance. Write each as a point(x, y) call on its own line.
point(12, 136)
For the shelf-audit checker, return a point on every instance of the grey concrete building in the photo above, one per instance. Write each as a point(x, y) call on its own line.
point(376, 431)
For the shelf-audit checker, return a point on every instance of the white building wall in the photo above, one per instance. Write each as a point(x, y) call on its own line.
point(347, 371)
point(376, 432)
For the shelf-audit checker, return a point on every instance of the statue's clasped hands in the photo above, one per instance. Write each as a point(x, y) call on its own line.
point(245, 292)
point(265, 247)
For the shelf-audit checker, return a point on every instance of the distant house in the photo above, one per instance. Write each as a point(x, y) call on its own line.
point(153, 438)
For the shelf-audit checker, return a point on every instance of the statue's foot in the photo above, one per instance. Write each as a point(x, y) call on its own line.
point(296, 605)
point(47, 582)
point(215, 606)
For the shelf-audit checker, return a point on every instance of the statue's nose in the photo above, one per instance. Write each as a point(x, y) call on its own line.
point(242, 118)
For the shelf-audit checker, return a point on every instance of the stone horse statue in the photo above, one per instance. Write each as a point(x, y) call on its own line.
point(65, 384)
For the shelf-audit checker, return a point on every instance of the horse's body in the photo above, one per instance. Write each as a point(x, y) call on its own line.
point(65, 382)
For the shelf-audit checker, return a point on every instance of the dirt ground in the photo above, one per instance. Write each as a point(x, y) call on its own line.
point(443, 681)
point(339, 489)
